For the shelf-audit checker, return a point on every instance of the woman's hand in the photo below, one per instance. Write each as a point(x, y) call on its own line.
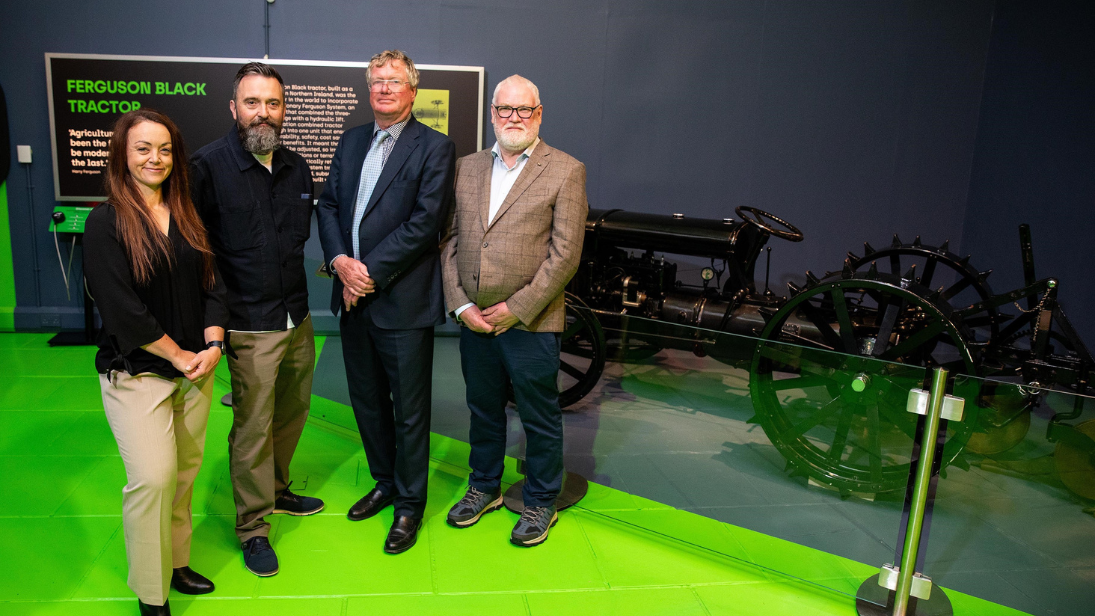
point(202, 364)
point(180, 359)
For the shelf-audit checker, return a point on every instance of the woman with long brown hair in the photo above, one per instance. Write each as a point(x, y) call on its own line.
point(149, 267)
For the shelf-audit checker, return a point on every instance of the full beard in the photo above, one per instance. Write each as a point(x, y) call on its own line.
point(515, 141)
point(261, 136)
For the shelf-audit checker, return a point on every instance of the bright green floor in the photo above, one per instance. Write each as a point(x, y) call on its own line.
point(63, 546)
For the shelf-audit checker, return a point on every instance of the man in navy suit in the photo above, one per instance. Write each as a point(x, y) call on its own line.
point(385, 202)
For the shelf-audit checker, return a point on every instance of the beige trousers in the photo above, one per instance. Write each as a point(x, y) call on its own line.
point(271, 395)
point(159, 425)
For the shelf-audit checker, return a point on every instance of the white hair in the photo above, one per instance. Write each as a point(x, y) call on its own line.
point(520, 80)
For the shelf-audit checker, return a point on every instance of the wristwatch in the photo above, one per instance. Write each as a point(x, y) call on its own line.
point(219, 344)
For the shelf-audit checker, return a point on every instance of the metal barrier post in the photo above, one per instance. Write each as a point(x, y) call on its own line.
point(896, 589)
point(920, 493)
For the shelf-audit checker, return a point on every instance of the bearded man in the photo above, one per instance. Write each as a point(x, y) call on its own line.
point(512, 246)
point(256, 201)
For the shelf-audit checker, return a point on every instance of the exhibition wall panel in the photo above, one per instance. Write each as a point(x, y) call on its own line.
point(323, 99)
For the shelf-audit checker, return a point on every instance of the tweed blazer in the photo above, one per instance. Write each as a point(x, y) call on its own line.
point(530, 251)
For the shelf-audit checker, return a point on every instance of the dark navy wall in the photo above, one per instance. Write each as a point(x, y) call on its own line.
point(851, 119)
point(1035, 157)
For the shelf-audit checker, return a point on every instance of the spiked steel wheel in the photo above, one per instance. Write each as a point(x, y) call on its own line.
point(833, 399)
point(936, 267)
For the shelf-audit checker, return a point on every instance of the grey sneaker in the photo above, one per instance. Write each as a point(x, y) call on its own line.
point(470, 508)
point(532, 529)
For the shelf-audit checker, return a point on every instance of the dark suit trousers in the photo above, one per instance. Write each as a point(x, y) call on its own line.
point(390, 372)
point(530, 361)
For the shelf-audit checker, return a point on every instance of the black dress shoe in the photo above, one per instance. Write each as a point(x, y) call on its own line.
point(154, 610)
point(403, 534)
point(369, 505)
point(190, 582)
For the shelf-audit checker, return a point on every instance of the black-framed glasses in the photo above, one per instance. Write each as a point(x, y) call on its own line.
point(505, 111)
point(394, 85)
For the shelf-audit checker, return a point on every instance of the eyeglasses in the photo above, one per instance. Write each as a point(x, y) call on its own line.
point(505, 111)
point(394, 85)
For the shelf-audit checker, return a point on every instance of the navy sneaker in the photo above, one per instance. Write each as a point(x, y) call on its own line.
point(296, 504)
point(534, 525)
point(474, 504)
point(259, 557)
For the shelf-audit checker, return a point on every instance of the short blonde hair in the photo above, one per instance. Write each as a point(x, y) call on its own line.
point(391, 55)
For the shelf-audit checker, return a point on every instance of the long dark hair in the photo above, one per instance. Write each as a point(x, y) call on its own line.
point(137, 229)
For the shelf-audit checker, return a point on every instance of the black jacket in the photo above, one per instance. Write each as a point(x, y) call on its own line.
point(258, 222)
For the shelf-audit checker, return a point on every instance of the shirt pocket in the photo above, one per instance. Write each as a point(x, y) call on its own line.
point(302, 218)
point(241, 228)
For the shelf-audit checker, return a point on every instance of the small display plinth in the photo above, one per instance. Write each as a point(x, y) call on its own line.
point(874, 600)
point(574, 489)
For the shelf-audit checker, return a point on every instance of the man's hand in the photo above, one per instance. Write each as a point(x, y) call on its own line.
point(349, 298)
point(355, 275)
point(499, 317)
point(473, 318)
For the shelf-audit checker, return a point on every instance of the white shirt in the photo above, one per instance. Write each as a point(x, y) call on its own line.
point(502, 179)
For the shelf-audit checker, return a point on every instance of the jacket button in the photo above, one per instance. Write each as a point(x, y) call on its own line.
point(279, 228)
point(484, 244)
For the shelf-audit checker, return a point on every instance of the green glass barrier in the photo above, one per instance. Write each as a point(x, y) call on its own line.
point(1013, 517)
point(779, 458)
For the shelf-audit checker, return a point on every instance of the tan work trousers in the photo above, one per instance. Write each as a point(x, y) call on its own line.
point(271, 395)
point(159, 425)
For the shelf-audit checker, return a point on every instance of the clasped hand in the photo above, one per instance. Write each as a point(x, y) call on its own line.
point(494, 319)
point(197, 366)
point(355, 280)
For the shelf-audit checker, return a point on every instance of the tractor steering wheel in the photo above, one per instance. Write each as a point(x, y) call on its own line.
point(789, 231)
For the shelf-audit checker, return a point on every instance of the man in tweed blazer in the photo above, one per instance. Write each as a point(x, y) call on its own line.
point(513, 243)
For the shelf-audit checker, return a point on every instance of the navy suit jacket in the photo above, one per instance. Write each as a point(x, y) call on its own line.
point(400, 231)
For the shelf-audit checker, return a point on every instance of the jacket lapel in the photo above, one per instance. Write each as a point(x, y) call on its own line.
point(534, 166)
point(485, 170)
point(407, 142)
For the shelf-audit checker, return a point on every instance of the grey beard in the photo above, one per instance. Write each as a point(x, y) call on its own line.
point(260, 139)
point(515, 143)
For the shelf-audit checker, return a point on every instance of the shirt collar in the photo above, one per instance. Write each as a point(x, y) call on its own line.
point(496, 151)
point(395, 130)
